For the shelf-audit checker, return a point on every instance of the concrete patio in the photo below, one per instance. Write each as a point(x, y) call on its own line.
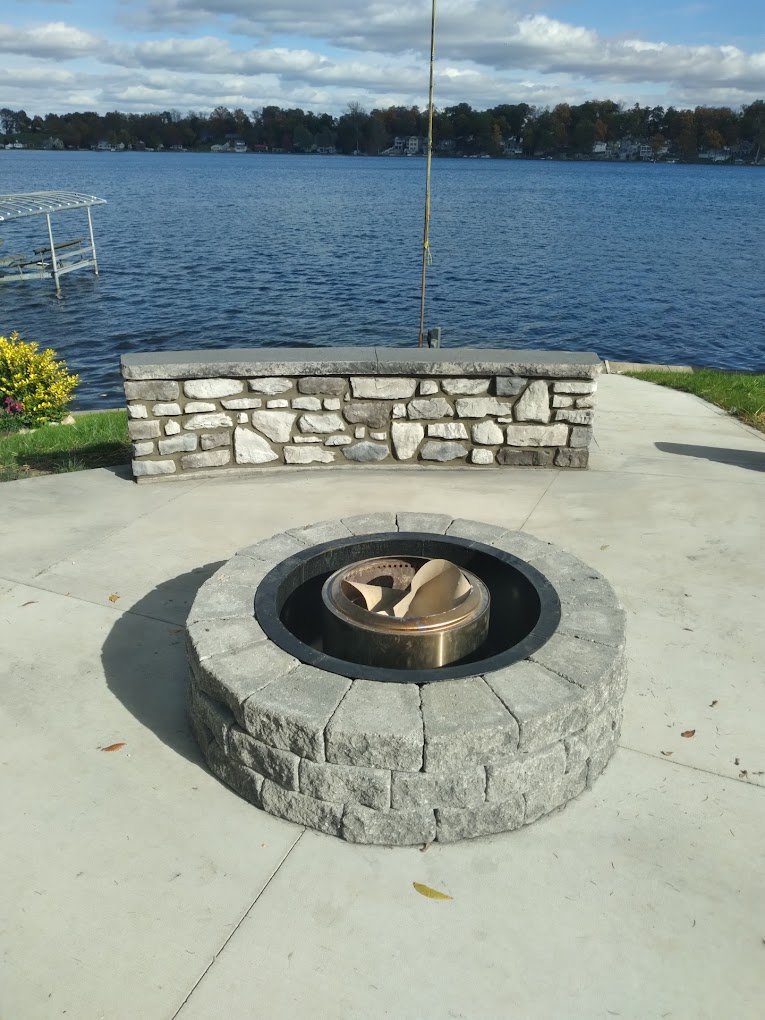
point(136, 885)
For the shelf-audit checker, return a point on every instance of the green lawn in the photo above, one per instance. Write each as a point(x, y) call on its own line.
point(740, 393)
point(95, 440)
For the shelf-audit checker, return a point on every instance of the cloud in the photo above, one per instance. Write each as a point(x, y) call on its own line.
point(54, 40)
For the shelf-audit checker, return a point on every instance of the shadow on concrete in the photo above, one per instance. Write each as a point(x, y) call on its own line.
point(144, 659)
point(754, 460)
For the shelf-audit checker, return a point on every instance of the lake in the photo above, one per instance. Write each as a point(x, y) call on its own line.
point(638, 262)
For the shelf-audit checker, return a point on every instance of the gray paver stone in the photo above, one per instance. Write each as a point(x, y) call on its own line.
point(370, 524)
point(598, 669)
point(246, 782)
point(388, 828)
point(293, 711)
point(346, 783)
point(435, 524)
point(302, 810)
point(215, 637)
point(273, 550)
point(546, 706)
point(465, 722)
point(235, 678)
point(538, 773)
point(475, 531)
point(377, 724)
point(271, 762)
point(461, 787)
point(541, 801)
point(323, 531)
point(214, 715)
point(463, 823)
point(593, 623)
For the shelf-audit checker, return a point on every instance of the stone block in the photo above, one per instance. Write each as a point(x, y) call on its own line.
point(378, 725)
point(242, 403)
point(475, 531)
point(399, 411)
point(178, 444)
point(537, 435)
point(277, 403)
point(538, 773)
point(144, 449)
point(382, 387)
point(481, 457)
point(432, 407)
point(215, 440)
point(465, 722)
point(604, 624)
point(275, 425)
point(370, 524)
point(374, 414)
point(379, 436)
point(153, 467)
point(546, 706)
point(330, 385)
point(215, 636)
point(143, 429)
point(453, 824)
point(207, 459)
point(435, 524)
point(272, 763)
point(448, 430)
point(510, 385)
point(214, 715)
point(338, 440)
point(359, 432)
point(270, 387)
point(246, 782)
point(302, 810)
point(293, 710)
point(191, 407)
point(322, 423)
point(388, 828)
point(323, 531)
point(172, 428)
point(577, 386)
point(137, 411)
point(272, 550)
point(435, 449)
point(346, 783)
point(306, 455)
point(585, 402)
point(581, 437)
point(428, 387)
point(211, 388)
point(366, 453)
point(406, 437)
point(572, 458)
point(235, 677)
point(306, 439)
point(482, 407)
point(562, 402)
point(488, 433)
point(208, 421)
point(510, 457)
point(575, 417)
point(599, 670)
point(461, 787)
point(534, 403)
point(153, 389)
point(251, 448)
point(332, 404)
point(465, 387)
point(307, 404)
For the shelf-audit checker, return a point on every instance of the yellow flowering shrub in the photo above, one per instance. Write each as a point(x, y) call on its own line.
point(34, 384)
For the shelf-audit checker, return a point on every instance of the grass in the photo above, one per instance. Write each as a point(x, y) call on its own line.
point(741, 394)
point(95, 440)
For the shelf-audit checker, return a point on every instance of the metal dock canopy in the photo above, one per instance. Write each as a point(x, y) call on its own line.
point(50, 261)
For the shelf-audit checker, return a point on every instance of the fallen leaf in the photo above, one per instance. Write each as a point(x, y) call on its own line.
point(432, 894)
point(424, 847)
point(687, 733)
point(114, 747)
point(114, 598)
point(736, 761)
point(713, 703)
point(667, 754)
point(743, 774)
point(32, 602)
point(604, 547)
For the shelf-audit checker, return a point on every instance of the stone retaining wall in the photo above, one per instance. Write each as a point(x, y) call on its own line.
point(230, 410)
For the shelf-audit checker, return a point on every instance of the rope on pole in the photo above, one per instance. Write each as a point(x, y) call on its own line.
point(426, 255)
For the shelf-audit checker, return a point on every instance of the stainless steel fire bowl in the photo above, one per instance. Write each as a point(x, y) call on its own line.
point(352, 632)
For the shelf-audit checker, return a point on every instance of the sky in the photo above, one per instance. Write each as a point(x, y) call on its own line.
point(154, 55)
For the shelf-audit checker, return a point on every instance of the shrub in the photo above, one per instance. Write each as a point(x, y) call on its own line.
point(35, 386)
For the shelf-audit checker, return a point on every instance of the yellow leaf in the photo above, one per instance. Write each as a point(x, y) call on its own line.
point(114, 747)
point(114, 598)
point(432, 894)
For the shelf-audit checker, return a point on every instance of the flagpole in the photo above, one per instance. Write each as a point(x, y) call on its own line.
point(426, 257)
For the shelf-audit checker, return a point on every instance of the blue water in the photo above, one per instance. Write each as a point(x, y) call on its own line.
point(638, 262)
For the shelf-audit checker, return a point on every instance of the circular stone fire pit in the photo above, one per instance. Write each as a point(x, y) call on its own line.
point(513, 730)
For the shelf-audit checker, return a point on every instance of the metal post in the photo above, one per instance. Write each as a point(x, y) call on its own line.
point(53, 257)
point(426, 227)
point(92, 242)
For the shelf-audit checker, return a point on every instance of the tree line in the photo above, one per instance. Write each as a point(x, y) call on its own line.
point(516, 129)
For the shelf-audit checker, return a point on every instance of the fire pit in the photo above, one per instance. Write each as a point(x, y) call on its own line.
point(402, 678)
